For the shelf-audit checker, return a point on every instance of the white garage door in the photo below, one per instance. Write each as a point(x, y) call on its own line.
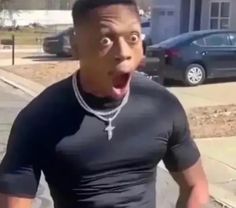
point(164, 24)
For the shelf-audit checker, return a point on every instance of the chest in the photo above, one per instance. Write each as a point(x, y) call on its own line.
point(139, 136)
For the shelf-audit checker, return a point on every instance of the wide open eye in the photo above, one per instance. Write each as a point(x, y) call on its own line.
point(134, 38)
point(106, 41)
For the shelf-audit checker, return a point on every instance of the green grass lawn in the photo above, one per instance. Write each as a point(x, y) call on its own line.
point(26, 36)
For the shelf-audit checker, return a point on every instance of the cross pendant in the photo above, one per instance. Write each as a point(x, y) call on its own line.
point(109, 129)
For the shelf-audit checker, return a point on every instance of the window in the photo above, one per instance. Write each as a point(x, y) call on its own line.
point(217, 40)
point(220, 15)
point(200, 42)
point(146, 24)
point(162, 13)
point(170, 13)
point(232, 38)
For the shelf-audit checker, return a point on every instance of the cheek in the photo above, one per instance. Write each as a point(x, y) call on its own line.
point(103, 53)
point(138, 55)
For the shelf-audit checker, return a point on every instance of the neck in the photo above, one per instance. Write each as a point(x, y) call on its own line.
point(93, 99)
point(88, 85)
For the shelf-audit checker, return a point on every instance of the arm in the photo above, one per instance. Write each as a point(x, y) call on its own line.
point(182, 159)
point(193, 187)
point(8, 201)
point(19, 169)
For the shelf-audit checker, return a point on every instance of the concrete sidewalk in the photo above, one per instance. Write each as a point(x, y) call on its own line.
point(218, 154)
point(219, 160)
point(206, 95)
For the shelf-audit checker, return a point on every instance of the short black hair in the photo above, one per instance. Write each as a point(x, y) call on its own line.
point(82, 7)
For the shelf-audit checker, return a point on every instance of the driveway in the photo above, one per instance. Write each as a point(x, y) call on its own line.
point(27, 56)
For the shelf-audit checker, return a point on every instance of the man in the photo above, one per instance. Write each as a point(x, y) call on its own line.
point(99, 134)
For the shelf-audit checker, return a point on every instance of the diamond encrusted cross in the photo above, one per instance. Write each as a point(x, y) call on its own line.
point(109, 129)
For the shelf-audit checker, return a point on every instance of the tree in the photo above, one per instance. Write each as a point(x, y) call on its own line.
point(3, 4)
point(144, 4)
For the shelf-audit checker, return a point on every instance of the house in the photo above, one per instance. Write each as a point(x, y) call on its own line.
point(173, 17)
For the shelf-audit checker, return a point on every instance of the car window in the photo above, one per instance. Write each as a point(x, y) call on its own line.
point(219, 40)
point(146, 24)
point(200, 42)
point(232, 38)
point(175, 40)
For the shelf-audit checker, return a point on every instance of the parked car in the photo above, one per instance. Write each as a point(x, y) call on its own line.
point(59, 44)
point(196, 56)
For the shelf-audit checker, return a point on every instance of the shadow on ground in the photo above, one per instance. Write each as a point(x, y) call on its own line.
point(47, 58)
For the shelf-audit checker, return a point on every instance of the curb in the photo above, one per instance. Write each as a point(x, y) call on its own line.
point(219, 195)
point(34, 89)
point(27, 86)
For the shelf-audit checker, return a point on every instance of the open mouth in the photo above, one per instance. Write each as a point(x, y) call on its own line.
point(120, 81)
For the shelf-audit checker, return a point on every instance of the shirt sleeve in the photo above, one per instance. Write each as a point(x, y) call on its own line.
point(19, 170)
point(182, 151)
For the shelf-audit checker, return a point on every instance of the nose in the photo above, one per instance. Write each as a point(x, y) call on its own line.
point(123, 50)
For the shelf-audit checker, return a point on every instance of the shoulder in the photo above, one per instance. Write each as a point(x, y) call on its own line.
point(52, 101)
point(152, 90)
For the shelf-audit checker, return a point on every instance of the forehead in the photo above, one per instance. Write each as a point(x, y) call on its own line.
point(114, 17)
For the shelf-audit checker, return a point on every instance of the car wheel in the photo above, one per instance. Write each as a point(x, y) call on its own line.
point(195, 75)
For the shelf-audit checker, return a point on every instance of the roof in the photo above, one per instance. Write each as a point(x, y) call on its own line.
point(203, 32)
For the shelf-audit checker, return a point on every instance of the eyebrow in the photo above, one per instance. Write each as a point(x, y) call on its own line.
point(112, 29)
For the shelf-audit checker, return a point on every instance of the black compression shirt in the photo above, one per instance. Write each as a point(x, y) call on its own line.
point(54, 134)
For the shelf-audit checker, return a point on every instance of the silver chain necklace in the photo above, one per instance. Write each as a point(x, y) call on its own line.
point(108, 117)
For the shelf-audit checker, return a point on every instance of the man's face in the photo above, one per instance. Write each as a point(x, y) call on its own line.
point(110, 48)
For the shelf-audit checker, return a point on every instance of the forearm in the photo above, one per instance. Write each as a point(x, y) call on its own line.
point(197, 197)
point(14, 202)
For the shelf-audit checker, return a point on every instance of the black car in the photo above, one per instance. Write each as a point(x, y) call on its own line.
point(59, 44)
point(194, 57)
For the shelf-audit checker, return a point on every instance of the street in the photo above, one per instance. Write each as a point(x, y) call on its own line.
point(13, 100)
